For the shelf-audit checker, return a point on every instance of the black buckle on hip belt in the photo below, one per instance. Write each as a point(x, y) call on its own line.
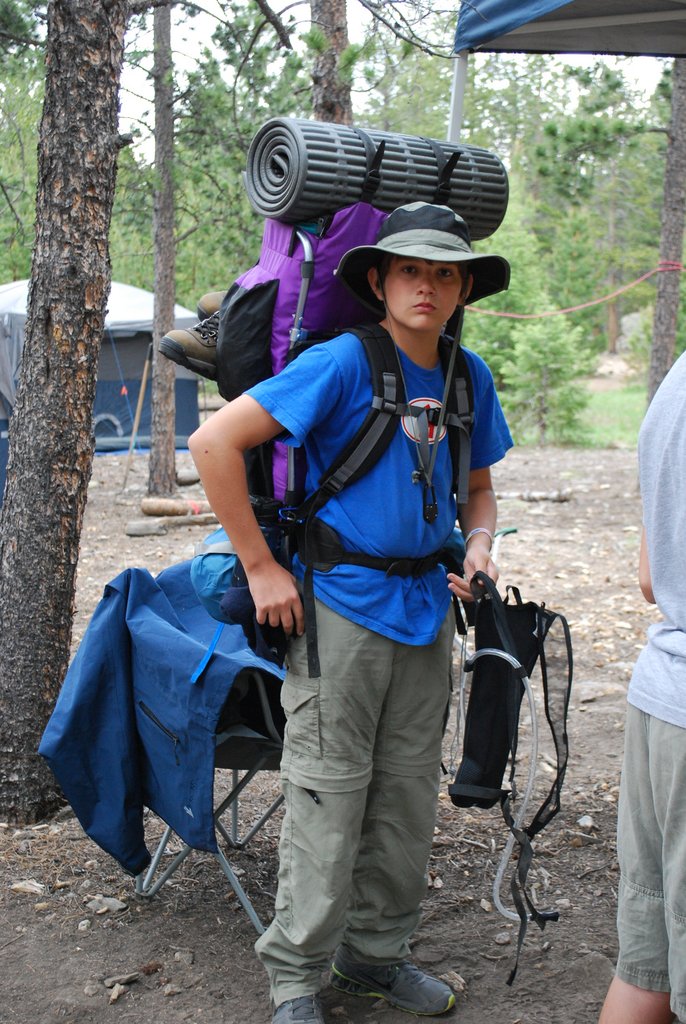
point(319, 547)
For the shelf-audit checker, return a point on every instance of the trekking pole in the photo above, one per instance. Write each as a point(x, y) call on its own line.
point(139, 410)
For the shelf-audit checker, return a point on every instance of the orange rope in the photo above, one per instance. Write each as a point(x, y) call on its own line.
point(664, 265)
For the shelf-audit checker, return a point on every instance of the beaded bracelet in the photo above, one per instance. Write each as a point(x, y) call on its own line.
point(478, 529)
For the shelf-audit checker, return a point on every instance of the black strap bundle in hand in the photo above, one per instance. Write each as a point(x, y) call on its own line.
point(510, 638)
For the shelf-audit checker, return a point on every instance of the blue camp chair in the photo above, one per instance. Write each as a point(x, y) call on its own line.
point(153, 701)
point(249, 740)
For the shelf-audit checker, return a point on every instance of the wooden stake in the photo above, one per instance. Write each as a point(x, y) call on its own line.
point(139, 410)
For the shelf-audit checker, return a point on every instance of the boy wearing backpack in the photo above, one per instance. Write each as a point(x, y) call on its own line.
point(362, 748)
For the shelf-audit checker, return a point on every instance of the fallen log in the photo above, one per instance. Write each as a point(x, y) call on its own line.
point(565, 495)
point(152, 506)
point(158, 527)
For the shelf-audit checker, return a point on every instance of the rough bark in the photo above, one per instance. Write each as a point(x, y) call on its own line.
point(51, 445)
point(162, 472)
point(672, 235)
point(331, 100)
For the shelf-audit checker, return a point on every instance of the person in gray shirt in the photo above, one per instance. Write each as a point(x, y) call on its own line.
point(649, 986)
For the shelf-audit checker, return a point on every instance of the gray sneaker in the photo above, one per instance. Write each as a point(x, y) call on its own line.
point(194, 347)
point(303, 1010)
point(402, 984)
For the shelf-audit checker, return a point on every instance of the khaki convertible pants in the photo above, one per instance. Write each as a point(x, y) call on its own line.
point(360, 772)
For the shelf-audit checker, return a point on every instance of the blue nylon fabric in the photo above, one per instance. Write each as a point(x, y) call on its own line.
point(146, 638)
point(480, 21)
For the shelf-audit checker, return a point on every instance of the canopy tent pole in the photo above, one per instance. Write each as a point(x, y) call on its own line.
point(457, 96)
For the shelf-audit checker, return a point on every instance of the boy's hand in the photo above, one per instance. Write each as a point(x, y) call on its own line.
point(276, 598)
point(478, 558)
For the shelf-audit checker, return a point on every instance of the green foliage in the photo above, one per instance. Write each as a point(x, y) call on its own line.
point(585, 159)
point(20, 22)
point(531, 286)
point(536, 362)
point(583, 141)
point(316, 40)
point(542, 397)
point(400, 88)
point(235, 87)
point(131, 244)
point(583, 148)
point(349, 60)
point(21, 97)
point(508, 101)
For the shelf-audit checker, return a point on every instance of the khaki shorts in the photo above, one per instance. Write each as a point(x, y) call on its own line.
point(651, 844)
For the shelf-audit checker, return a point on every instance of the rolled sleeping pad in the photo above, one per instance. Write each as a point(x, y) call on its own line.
point(299, 170)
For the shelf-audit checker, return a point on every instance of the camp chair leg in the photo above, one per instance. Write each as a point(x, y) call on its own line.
point(231, 802)
point(240, 844)
point(240, 892)
point(143, 880)
point(145, 888)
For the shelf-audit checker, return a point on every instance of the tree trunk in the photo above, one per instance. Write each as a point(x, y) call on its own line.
point(331, 100)
point(51, 443)
point(162, 473)
point(612, 314)
point(612, 319)
point(672, 236)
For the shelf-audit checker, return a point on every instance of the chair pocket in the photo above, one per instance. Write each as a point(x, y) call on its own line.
point(163, 730)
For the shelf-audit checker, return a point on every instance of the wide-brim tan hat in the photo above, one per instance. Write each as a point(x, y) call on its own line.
point(427, 232)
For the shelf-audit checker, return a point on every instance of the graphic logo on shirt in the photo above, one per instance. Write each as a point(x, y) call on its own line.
point(410, 425)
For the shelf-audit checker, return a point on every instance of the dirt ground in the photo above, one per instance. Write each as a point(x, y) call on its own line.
point(187, 954)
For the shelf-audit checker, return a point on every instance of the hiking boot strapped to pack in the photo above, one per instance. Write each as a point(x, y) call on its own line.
point(195, 348)
point(209, 304)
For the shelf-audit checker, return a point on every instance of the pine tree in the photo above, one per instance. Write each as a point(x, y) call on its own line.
point(542, 397)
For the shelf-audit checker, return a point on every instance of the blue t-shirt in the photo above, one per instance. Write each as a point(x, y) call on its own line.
point(321, 399)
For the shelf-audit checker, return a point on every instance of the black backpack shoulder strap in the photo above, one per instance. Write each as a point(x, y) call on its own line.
point(376, 431)
point(459, 416)
point(361, 453)
point(388, 403)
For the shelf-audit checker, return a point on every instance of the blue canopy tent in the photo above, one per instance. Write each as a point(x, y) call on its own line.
point(654, 28)
point(622, 27)
point(628, 28)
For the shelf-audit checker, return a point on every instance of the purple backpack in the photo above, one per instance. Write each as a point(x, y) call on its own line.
point(290, 299)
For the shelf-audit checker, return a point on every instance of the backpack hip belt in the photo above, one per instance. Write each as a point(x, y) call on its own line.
point(319, 547)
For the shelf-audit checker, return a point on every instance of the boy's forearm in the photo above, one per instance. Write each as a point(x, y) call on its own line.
point(480, 512)
point(226, 488)
point(478, 518)
point(218, 448)
point(644, 578)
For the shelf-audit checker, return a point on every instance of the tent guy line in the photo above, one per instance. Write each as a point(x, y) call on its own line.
point(663, 266)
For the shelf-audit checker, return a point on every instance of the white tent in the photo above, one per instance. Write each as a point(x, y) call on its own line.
point(128, 334)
